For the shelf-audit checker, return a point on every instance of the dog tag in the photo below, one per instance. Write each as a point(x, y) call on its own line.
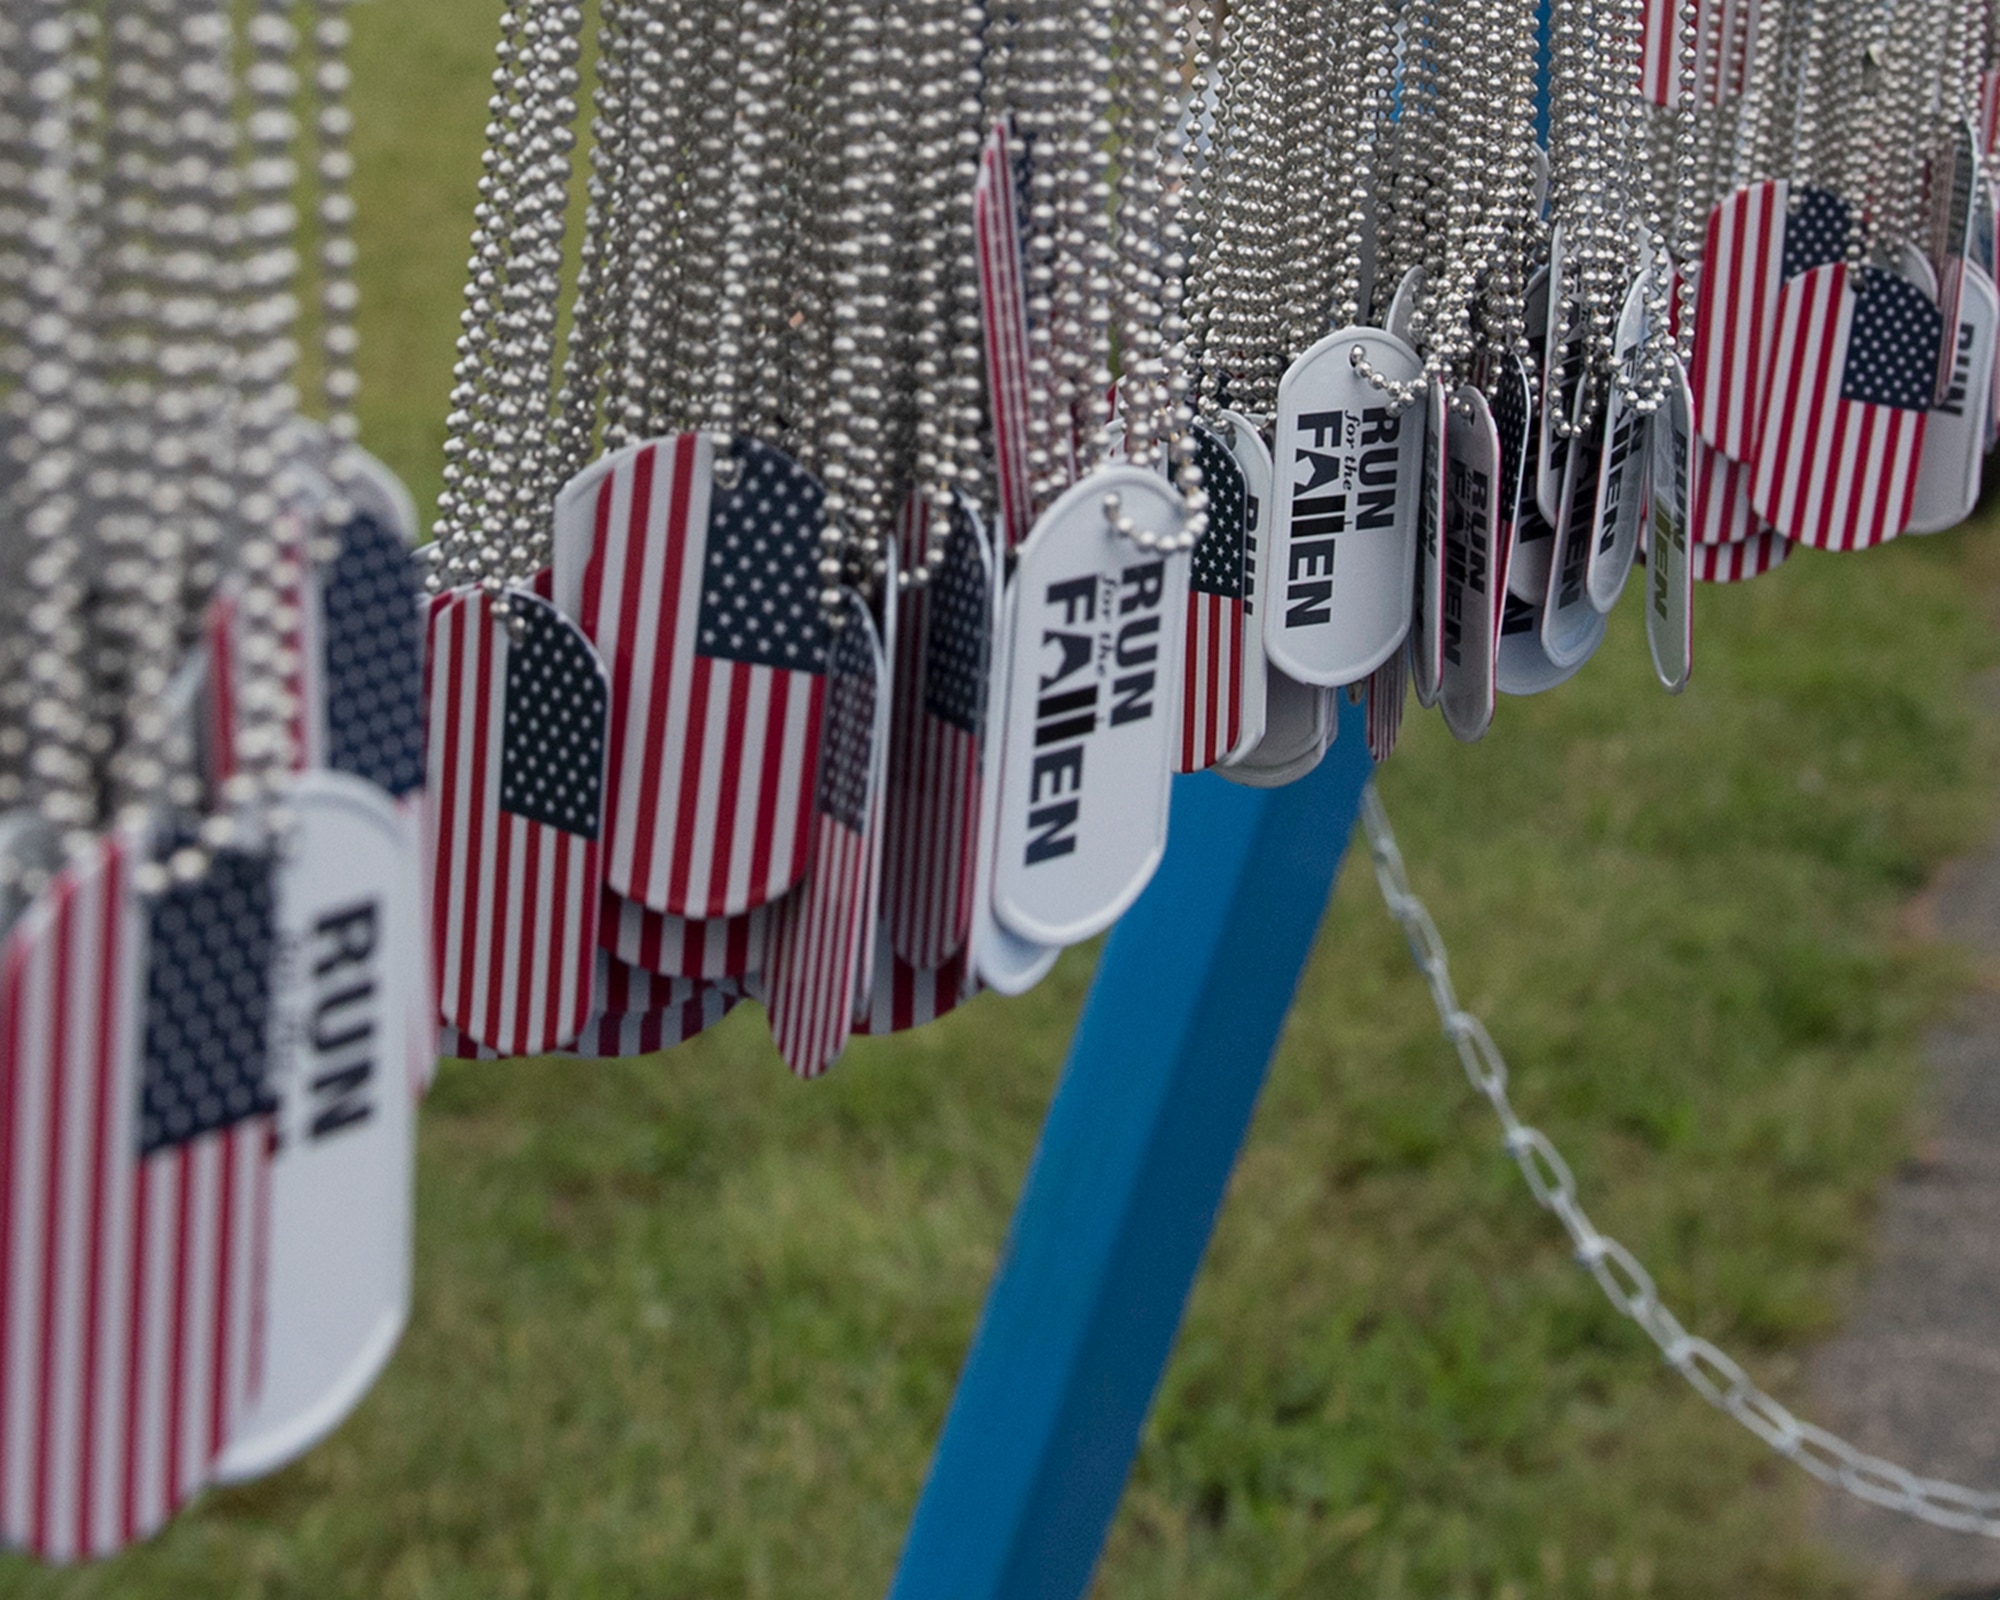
point(1948, 471)
point(1565, 365)
point(335, 1267)
point(999, 202)
point(1218, 614)
point(1387, 690)
point(1669, 570)
point(1253, 461)
point(1301, 724)
point(1528, 539)
point(819, 935)
point(1095, 664)
point(1741, 561)
point(1522, 666)
point(1568, 635)
point(1427, 626)
point(1846, 409)
point(1471, 537)
point(1349, 467)
point(1621, 475)
point(1004, 962)
point(902, 997)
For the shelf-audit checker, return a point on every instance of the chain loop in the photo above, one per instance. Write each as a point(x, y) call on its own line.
point(1626, 1283)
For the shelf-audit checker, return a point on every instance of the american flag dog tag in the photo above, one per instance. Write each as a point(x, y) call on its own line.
point(1952, 175)
point(1951, 464)
point(1719, 510)
point(1846, 408)
point(938, 730)
point(700, 593)
point(334, 1266)
point(1756, 241)
point(1568, 634)
point(1741, 561)
point(637, 1013)
point(820, 934)
point(517, 741)
point(1090, 710)
point(1725, 40)
point(1669, 567)
point(1218, 612)
point(999, 213)
point(682, 947)
point(902, 997)
point(1252, 458)
point(228, 674)
point(1471, 539)
point(135, 1137)
point(1426, 663)
point(1621, 471)
point(1001, 959)
point(1388, 687)
point(1344, 520)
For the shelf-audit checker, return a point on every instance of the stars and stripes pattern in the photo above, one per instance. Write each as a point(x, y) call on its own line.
point(637, 1014)
point(818, 936)
point(1738, 562)
point(136, 1127)
point(1756, 240)
point(1212, 658)
point(1845, 409)
point(997, 215)
point(702, 601)
point(903, 997)
point(372, 645)
point(682, 947)
point(516, 755)
point(936, 738)
point(1725, 35)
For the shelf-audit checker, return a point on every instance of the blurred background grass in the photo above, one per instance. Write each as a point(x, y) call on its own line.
point(686, 1328)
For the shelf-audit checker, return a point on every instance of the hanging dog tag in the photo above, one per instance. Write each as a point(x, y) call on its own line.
point(1757, 239)
point(938, 731)
point(680, 947)
point(902, 997)
point(700, 590)
point(1527, 536)
point(135, 1136)
point(1522, 665)
point(1621, 474)
point(1846, 408)
point(1719, 511)
point(819, 934)
point(1669, 569)
point(371, 633)
point(999, 207)
point(1953, 182)
point(1349, 464)
point(335, 1267)
point(1300, 726)
point(1253, 462)
point(638, 1013)
point(1739, 562)
point(1949, 469)
point(1471, 535)
point(517, 737)
point(1402, 310)
point(1218, 614)
point(1427, 626)
point(1095, 662)
point(1568, 634)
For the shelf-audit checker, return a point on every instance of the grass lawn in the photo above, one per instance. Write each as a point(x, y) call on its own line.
point(686, 1328)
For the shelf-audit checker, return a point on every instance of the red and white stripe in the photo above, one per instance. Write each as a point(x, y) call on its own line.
point(1736, 314)
point(1987, 130)
point(1211, 680)
point(904, 997)
point(816, 943)
point(1387, 690)
point(1725, 34)
point(633, 1019)
point(515, 903)
point(682, 947)
point(126, 1285)
point(1832, 473)
point(220, 624)
point(1738, 562)
point(709, 770)
point(1004, 317)
point(930, 844)
point(1719, 496)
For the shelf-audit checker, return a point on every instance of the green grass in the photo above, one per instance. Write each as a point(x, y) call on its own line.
point(686, 1328)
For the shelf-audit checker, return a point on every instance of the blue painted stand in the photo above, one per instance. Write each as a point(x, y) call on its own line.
point(1163, 1074)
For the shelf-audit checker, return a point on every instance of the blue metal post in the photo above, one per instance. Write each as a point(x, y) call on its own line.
point(1163, 1074)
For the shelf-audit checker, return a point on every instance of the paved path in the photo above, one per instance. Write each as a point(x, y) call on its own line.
point(1916, 1374)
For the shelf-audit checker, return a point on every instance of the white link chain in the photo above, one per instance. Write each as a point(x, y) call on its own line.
point(1627, 1284)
